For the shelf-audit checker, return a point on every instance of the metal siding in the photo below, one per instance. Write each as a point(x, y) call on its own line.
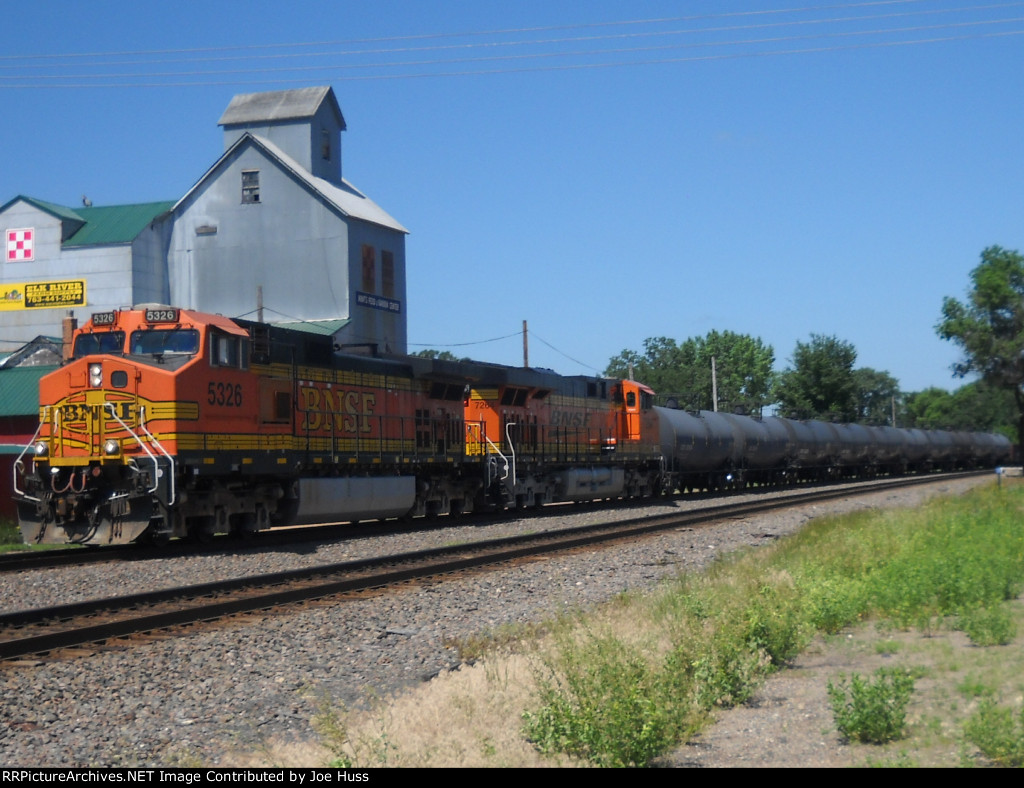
point(107, 268)
point(387, 329)
point(149, 267)
point(290, 244)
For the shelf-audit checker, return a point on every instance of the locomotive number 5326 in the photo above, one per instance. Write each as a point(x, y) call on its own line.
point(226, 394)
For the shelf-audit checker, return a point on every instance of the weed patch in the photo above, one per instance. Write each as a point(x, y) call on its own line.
point(872, 711)
point(998, 732)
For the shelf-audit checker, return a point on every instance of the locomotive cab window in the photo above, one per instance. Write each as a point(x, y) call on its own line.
point(228, 351)
point(92, 344)
point(161, 342)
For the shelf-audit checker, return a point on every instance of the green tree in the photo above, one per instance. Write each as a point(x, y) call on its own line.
point(931, 409)
point(878, 396)
point(743, 369)
point(742, 364)
point(662, 365)
point(989, 325)
point(976, 406)
point(820, 383)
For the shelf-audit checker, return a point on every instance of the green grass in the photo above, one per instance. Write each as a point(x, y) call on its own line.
point(709, 640)
point(10, 536)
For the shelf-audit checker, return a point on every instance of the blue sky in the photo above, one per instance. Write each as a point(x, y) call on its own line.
point(605, 171)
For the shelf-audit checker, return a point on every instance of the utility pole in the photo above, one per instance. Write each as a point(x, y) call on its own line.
point(714, 386)
point(526, 348)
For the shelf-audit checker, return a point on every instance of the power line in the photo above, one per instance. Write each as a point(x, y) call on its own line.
point(494, 44)
point(502, 31)
point(464, 344)
point(421, 68)
point(577, 53)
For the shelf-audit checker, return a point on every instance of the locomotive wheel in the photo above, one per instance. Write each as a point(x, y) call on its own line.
point(202, 528)
point(244, 525)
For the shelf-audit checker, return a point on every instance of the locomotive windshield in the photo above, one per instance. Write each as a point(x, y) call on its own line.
point(158, 343)
point(105, 342)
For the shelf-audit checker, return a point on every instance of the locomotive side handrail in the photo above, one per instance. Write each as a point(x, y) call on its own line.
point(170, 460)
point(512, 451)
point(476, 434)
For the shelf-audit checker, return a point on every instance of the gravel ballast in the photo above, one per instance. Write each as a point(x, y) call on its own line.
point(191, 699)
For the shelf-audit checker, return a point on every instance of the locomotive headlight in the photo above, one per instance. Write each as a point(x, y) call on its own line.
point(41, 449)
point(95, 375)
point(111, 447)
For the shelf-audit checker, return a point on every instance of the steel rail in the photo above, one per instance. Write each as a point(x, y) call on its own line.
point(189, 605)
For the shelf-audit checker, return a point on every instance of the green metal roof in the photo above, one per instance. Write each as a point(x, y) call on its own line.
point(19, 390)
point(108, 224)
point(113, 224)
point(323, 327)
point(60, 211)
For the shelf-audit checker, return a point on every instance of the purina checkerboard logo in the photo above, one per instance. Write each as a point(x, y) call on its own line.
point(20, 244)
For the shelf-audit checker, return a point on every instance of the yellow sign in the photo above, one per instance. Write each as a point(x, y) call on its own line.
point(41, 295)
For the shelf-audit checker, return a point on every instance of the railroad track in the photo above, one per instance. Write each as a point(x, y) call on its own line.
point(52, 631)
point(27, 560)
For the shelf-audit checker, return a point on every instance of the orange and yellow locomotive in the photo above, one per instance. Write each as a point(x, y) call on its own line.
point(167, 422)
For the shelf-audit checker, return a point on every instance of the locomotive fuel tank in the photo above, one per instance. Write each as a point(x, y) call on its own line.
point(350, 499)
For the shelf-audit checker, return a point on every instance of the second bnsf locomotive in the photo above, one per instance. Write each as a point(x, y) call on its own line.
point(172, 423)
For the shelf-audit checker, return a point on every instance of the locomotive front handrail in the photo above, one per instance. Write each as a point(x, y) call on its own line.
point(17, 463)
point(145, 448)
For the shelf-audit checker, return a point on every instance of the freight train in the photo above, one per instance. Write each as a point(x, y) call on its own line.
point(167, 422)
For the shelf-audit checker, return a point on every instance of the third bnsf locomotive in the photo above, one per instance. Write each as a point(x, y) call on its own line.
point(171, 423)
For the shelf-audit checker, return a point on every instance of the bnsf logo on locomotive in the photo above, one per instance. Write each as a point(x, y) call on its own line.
point(567, 418)
point(79, 412)
point(337, 410)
